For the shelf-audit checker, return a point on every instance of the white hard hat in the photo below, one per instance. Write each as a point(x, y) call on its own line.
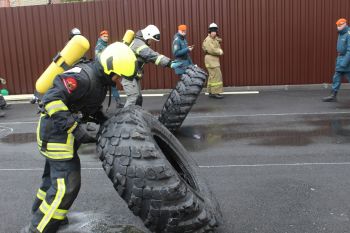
point(213, 25)
point(151, 32)
point(75, 31)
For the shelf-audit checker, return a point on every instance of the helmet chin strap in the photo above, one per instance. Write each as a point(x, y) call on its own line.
point(110, 97)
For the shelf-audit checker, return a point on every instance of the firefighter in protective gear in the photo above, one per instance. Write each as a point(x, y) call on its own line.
point(181, 50)
point(212, 49)
point(144, 54)
point(82, 89)
point(342, 67)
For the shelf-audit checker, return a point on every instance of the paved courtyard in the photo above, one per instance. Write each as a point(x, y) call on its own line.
point(277, 161)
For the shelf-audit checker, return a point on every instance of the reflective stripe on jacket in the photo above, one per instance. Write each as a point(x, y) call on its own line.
point(145, 54)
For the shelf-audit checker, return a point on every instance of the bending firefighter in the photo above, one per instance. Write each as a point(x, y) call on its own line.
point(342, 67)
point(144, 54)
point(81, 89)
point(212, 49)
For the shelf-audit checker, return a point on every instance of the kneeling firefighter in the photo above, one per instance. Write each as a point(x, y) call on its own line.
point(144, 54)
point(82, 89)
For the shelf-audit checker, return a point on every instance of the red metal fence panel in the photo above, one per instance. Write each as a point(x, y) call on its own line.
point(265, 42)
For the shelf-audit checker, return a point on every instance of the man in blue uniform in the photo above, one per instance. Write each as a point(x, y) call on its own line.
point(101, 44)
point(181, 50)
point(342, 67)
point(80, 90)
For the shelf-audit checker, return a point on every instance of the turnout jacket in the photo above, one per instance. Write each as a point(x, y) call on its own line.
point(145, 54)
point(81, 89)
point(181, 53)
point(212, 51)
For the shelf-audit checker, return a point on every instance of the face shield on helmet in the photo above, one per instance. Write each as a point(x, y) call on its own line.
point(119, 59)
point(151, 32)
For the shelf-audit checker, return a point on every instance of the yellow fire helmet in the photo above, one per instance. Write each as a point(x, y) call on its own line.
point(119, 59)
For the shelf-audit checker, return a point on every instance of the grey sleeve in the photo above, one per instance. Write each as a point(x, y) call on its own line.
point(151, 56)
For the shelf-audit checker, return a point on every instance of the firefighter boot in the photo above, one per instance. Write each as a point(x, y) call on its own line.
point(331, 98)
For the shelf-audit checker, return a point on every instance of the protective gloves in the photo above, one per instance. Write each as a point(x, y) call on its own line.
point(82, 136)
point(100, 117)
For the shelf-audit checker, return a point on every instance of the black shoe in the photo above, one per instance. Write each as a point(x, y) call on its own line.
point(330, 98)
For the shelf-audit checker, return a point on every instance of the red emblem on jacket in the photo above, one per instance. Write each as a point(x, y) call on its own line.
point(70, 83)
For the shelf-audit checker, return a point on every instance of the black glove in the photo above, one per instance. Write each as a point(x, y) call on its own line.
point(100, 117)
point(82, 136)
point(169, 64)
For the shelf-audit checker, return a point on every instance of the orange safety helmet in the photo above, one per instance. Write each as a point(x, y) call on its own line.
point(340, 21)
point(104, 32)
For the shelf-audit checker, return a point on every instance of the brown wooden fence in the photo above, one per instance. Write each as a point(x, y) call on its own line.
point(266, 42)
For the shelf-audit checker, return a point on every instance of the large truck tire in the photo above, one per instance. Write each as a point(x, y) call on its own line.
point(182, 98)
point(153, 173)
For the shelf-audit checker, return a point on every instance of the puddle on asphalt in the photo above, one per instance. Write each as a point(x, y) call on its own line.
point(201, 137)
point(194, 110)
point(90, 222)
point(19, 138)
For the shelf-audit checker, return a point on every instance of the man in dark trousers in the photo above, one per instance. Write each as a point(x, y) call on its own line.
point(80, 90)
point(342, 67)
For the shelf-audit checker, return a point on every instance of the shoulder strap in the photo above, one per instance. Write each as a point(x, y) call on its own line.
point(90, 73)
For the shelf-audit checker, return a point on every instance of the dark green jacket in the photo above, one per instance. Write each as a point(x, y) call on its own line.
point(100, 46)
point(181, 53)
point(343, 49)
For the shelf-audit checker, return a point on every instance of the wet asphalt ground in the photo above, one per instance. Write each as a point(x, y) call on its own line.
point(277, 161)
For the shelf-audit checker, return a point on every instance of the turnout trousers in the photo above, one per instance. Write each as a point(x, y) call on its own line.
point(132, 90)
point(215, 84)
point(58, 190)
point(60, 180)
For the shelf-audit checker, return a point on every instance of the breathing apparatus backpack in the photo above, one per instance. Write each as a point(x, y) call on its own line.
point(70, 55)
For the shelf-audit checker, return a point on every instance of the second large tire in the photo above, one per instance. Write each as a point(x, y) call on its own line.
point(182, 98)
point(155, 175)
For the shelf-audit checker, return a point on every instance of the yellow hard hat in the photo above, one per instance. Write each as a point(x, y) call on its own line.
point(119, 59)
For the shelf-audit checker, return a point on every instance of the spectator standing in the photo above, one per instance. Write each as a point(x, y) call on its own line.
point(213, 51)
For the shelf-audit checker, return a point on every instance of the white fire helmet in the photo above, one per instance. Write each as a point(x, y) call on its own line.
point(151, 32)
